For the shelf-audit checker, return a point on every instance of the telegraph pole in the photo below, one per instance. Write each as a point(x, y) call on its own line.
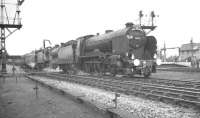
point(8, 25)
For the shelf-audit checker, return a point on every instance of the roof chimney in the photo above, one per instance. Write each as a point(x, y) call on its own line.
point(129, 24)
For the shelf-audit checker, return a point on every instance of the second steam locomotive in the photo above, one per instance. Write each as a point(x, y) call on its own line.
point(128, 51)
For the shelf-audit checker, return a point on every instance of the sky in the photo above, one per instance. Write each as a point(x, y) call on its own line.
point(62, 20)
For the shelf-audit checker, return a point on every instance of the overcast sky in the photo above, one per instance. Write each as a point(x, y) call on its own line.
point(63, 20)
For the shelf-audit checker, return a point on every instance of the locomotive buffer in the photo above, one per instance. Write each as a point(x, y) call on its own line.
point(8, 25)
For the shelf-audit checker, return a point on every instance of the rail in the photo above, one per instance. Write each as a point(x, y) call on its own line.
point(158, 90)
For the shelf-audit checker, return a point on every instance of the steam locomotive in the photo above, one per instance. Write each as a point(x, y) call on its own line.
point(128, 51)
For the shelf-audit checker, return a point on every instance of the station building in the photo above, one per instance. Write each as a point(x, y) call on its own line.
point(187, 51)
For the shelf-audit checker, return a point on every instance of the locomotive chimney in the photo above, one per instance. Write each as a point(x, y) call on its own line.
point(97, 34)
point(129, 24)
point(108, 31)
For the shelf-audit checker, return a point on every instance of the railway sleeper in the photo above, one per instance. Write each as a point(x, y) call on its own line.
point(153, 97)
point(138, 94)
point(187, 104)
point(133, 88)
point(127, 92)
point(169, 94)
point(144, 90)
point(169, 100)
point(157, 92)
point(182, 102)
point(147, 90)
point(169, 86)
point(176, 101)
point(146, 95)
point(197, 83)
point(132, 92)
point(188, 97)
point(191, 93)
point(182, 96)
point(197, 86)
point(188, 93)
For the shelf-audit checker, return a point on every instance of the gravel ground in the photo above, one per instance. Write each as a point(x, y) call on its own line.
point(135, 107)
point(177, 75)
point(19, 100)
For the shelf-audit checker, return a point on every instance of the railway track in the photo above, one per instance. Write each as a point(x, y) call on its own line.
point(183, 93)
point(168, 82)
point(194, 70)
point(177, 68)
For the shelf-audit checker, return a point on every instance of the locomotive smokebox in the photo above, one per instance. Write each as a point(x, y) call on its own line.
point(129, 24)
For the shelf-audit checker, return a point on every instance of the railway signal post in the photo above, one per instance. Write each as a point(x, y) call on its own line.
point(10, 22)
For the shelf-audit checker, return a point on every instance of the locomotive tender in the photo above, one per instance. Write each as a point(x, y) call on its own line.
point(128, 51)
point(37, 59)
